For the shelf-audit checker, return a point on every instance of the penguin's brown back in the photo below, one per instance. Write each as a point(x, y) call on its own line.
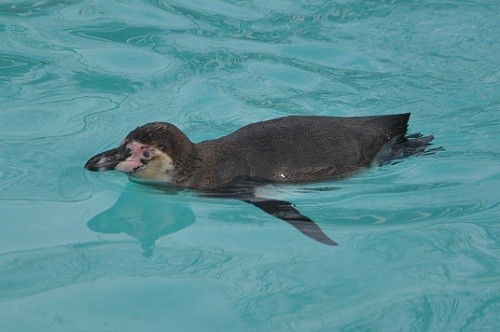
point(296, 149)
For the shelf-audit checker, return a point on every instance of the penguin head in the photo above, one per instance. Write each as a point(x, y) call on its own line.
point(156, 151)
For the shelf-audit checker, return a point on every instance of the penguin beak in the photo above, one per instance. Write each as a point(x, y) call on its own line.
point(108, 160)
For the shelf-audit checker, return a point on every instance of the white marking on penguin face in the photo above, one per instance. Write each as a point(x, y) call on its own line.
point(147, 163)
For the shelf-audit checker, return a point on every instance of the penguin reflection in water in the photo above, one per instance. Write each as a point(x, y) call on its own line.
point(294, 149)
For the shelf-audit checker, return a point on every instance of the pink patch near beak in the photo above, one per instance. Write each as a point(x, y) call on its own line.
point(133, 163)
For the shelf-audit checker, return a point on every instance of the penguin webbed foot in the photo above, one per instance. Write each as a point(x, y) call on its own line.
point(409, 145)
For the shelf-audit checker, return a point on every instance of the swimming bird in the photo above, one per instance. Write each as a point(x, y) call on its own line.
point(293, 149)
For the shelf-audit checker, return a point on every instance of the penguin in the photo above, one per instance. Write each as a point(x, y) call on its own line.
point(292, 149)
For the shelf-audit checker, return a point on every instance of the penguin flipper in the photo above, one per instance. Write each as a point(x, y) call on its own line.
point(285, 211)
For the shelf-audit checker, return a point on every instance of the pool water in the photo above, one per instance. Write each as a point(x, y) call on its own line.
point(418, 240)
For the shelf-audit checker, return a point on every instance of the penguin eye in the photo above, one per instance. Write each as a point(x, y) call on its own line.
point(146, 154)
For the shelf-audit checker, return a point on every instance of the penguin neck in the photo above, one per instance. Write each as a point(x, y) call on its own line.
point(187, 164)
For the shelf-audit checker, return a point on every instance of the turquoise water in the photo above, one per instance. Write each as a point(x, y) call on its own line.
point(418, 241)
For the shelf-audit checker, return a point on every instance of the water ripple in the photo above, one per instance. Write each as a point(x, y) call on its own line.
point(28, 8)
point(126, 61)
point(263, 288)
point(14, 67)
point(120, 33)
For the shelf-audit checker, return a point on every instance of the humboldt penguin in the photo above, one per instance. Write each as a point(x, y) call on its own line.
point(293, 149)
